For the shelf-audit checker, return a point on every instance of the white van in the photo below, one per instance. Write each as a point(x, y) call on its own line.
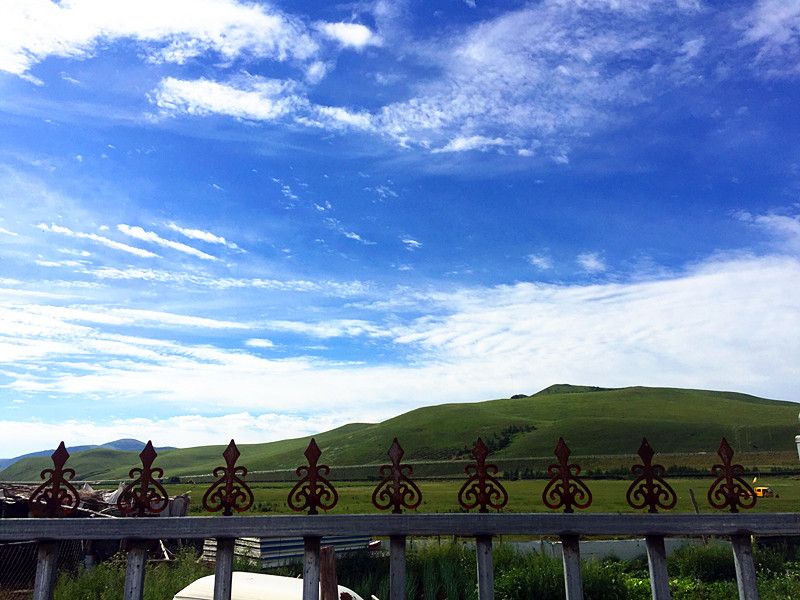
point(254, 586)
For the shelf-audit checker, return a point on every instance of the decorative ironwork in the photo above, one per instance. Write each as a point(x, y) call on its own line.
point(396, 490)
point(313, 491)
point(144, 495)
point(229, 492)
point(729, 489)
point(650, 490)
point(56, 497)
point(482, 489)
point(565, 488)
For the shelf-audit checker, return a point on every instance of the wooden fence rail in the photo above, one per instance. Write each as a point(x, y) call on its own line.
point(570, 528)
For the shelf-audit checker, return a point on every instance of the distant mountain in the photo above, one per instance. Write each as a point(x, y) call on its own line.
point(125, 444)
point(594, 422)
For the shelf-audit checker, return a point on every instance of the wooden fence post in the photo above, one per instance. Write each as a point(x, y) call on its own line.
point(223, 570)
point(397, 567)
point(46, 569)
point(657, 563)
point(745, 567)
point(329, 586)
point(311, 568)
point(483, 550)
point(134, 572)
point(571, 555)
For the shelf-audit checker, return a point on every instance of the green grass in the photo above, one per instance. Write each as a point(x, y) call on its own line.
point(447, 572)
point(597, 423)
point(524, 496)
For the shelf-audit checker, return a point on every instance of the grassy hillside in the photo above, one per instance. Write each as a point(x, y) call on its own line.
point(592, 420)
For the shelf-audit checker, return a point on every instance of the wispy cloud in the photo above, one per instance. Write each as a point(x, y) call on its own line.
point(32, 30)
point(98, 239)
point(203, 236)
point(591, 262)
point(411, 244)
point(152, 237)
point(350, 35)
point(540, 261)
point(774, 25)
point(784, 229)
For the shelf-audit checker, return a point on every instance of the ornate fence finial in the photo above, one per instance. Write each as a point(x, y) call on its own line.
point(313, 490)
point(396, 490)
point(650, 490)
point(56, 497)
point(229, 492)
point(482, 489)
point(565, 488)
point(729, 489)
point(144, 495)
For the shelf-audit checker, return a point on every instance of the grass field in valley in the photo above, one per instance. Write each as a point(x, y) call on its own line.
point(602, 426)
point(524, 496)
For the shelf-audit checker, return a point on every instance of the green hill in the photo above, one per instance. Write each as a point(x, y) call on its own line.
point(594, 421)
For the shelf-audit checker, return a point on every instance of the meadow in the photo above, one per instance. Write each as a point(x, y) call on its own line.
point(524, 495)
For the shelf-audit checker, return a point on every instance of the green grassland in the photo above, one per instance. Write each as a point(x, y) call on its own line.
point(605, 426)
point(524, 496)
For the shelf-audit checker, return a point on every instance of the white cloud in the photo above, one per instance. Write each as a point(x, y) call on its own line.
point(203, 236)
point(259, 343)
point(473, 142)
point(5, 231)
point(716, 326)
point(32, 30)
point(181, 430)
point(775, 26)
point(98, 239)
point(540, 261)
point(151, 236)
point(591, 262)
point(411, 243)
point(350, 35)
point(253, 98)
point(785, 229)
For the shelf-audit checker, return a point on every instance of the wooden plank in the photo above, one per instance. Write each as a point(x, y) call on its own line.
point(461, 524)
point(745, 567)
point(328, 583)
point(571, 556)
point(657, 563)
point(134, 571)
point(46, 569)
point(223, 569)
point(397, 567)
point(483, 551)
point(311, 568)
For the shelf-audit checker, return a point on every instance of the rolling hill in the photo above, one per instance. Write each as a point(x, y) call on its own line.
point(594, 421)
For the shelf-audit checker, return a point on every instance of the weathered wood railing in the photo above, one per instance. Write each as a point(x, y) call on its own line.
point(570, 528)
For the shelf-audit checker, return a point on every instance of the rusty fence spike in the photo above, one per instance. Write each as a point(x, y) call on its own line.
point(56, 497)
point(144, 495)
point(314, 490)
point(729, 489)
point(482, 490)
point(649, 489)
point(396, 489)
point(229, 492)
point(565, 487)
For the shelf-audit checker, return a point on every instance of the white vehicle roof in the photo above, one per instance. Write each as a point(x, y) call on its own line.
point(252, 586)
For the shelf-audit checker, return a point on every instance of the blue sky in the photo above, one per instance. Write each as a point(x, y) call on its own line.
point(230, 219)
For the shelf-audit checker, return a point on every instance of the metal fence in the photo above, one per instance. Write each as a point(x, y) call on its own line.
point(395, 492)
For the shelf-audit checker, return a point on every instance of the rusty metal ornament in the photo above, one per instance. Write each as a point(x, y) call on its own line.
point(565, 488)
point(314, 490)
point(56, 497)
point(650, 490)
point(144, 495)
point(482, 489)
point(396, 489)
point(229, 492)
point(729, 489)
